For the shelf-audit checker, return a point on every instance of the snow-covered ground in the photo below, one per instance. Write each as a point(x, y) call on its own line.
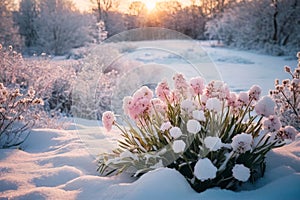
point(61, 164)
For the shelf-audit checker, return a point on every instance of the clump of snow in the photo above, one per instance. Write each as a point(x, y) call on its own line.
point(240, 172)
point(193, 126)
point(265, 106)
point(204, 169)
point(178, 146)
point(199, 115)
point(241, 143)
point(213, 143)
point(175, 132)
point(214, 105)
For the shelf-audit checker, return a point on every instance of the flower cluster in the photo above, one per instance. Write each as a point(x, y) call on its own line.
point(15, 121)
point(212, 136)
point(287, 97)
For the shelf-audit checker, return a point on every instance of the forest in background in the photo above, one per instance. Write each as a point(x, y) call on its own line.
point(57, 26)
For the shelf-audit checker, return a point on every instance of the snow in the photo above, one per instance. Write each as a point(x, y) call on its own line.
point(178, 146)
point(61, 164)
point(240, 172)
point(205, 170)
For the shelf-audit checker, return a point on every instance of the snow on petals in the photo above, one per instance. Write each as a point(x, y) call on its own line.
point(178, 146)
point(265, 106)
point(240, 172)
point(204, 170)
point(199, 115)
point(108, 119)
point(213, 143)
point(193, 126)
point(254, 92)
point(241, 143)
point(272, 123)
point(175, 132)
point(214, 105)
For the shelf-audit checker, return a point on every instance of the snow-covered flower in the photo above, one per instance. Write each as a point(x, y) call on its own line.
point(187, 107)
point(166, 126)
point(199, 115)
point(287, 133)
point(143, 92)
point(254, 92)
point(178, 146)
point(175, 132)
point(214, 105)
point(108, 119)
point(243, 99)
point(265, 106)
point(272, 123)
point(241, 143)
point(204, 169)
point(240, 172)
point(193, 126)
point(213, 143)
point(163, 91)
point(197, 85)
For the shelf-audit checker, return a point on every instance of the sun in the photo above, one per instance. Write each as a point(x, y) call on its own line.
point(150, 5)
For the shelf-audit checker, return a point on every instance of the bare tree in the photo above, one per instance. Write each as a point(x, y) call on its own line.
point(8, 30)
point(26, 19)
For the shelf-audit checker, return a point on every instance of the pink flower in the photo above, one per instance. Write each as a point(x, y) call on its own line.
point(265, 106)
point(158, 106)
point(197, 85)
point(254, 92)
point(232, 98)
point(181, 86)
point(127, 104)
point(163, 91)
point(217, 89)
point(243, 99)
point(272, 124)
point(287, 133)
point(108, 119)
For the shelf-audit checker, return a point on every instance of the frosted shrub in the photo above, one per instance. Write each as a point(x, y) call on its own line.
point(52, 80)
point(213, 137)
point(17, 115)
point(287, 97)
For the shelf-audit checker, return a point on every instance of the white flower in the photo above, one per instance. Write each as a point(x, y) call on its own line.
point(240, 172)
point(178, 146)
point(214, 105)
point(175, 132)
point(193, 126)
point(265, 106)
point(165, 126)
point(187, 106)
point(213, 143)
point(241, 143)
point(199, 115)
point(204, 170)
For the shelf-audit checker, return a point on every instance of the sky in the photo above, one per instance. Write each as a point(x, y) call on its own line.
point(85, 4)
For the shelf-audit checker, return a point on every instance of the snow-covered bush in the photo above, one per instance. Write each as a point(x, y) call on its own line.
point(52, 81)
point(94, 84)
point(287, 97)
point(17, 115)
point(213, 137)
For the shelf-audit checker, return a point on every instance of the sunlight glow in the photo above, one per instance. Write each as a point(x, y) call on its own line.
point(150, 5)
